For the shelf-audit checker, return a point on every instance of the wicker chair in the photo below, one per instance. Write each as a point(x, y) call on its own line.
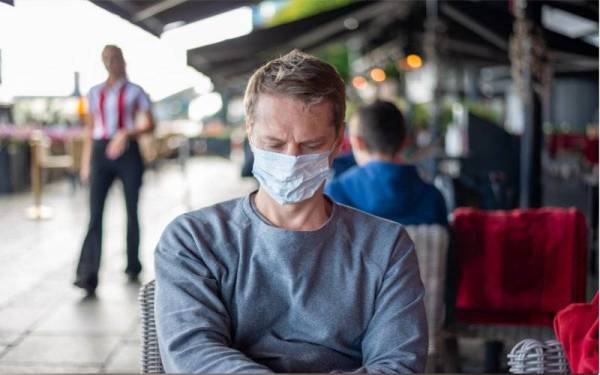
point(151, 362)
point(531, 356)
point(431, 245)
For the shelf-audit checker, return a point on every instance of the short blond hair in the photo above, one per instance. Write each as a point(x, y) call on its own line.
point(299, 76)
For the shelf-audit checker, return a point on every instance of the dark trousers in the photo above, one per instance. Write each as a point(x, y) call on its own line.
point(129, 168)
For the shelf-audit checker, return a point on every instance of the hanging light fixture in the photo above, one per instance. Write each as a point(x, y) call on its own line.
point(377, 74)
point(414, 61)
point(359, 82)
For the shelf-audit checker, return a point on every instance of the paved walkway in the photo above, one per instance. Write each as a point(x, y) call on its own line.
point(45, 325)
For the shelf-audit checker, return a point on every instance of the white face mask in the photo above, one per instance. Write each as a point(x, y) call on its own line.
point(290, 179)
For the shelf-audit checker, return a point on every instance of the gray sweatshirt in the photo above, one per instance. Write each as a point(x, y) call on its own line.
point(236, 294)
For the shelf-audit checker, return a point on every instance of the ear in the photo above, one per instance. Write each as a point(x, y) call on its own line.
point(358, 143)
point(338, 142)
point(248, 128)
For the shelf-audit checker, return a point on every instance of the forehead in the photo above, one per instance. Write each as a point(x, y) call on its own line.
point(286, 115)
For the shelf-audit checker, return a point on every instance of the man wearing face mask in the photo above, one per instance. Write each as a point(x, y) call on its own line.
point(286, 280)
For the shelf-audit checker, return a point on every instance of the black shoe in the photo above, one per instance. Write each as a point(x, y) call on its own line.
point(90, 288)
point(90, 294)
point(133, 277)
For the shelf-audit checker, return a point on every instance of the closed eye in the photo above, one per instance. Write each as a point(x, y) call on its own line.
point(313, 146)
point(276, 146)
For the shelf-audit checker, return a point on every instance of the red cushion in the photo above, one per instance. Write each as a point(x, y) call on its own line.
point(576, 328)
point(519, 266)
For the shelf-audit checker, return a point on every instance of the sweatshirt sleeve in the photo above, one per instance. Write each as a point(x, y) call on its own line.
point(396, 338)
point(193, 324)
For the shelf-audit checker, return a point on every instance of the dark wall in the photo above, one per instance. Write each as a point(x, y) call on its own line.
point(574, 101)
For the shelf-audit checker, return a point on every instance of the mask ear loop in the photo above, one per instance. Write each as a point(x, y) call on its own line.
point(251, 142)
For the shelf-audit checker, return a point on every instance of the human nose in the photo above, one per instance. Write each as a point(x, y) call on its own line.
point(293, 149)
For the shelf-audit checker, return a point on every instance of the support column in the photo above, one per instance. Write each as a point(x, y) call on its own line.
point(531, 75)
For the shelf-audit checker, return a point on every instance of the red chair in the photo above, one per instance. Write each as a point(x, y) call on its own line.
point(516, 270)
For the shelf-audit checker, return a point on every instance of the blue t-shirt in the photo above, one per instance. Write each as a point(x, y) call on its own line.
point(392, 191)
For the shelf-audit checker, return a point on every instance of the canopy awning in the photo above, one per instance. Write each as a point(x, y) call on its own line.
point(475, 31)
point(227, 60)
point(154, 16)
point(491, 24)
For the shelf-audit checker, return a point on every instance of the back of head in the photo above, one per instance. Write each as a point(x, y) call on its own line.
point(381, 126)
point(299, 76)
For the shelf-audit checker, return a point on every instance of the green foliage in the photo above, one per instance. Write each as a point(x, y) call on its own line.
point(391, 71)
point(336, 54)
point(296, 9)
point(484, 111)
point(419, 115)
point(445, 116)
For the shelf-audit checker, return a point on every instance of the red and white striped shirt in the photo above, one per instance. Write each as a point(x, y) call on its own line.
point(116, 107)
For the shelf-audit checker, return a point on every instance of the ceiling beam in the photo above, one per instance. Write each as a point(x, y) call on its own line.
point(583, 10)
point(472, 24)
point(126, 10)
point(155, 8)
point(389, 9)
point(292, 34)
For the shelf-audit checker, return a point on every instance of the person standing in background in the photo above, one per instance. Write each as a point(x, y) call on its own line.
point(119, 112)
point(381, 184)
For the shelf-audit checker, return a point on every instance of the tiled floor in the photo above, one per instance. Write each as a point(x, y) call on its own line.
point(45, 325)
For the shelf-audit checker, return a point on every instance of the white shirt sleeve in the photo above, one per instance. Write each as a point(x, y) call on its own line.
point(91, 101)
point(143, 101)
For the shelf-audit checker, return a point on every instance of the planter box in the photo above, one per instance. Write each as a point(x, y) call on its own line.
point(20, 165)
point(5, 187)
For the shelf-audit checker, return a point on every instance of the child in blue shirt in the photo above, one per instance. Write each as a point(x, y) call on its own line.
point(379, 184)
